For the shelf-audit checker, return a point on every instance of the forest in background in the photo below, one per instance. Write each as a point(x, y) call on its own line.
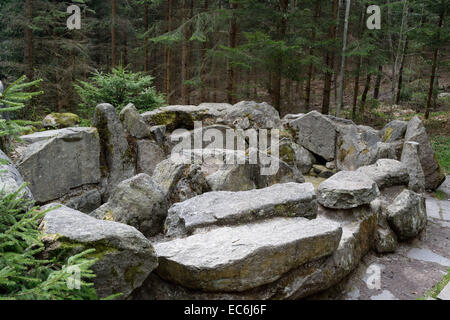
point(296, 54)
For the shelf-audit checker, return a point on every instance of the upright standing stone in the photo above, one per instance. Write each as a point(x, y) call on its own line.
point(133, 122)
point(433, 174)
point(411, 160)
point(117, 155)
point(316, 133)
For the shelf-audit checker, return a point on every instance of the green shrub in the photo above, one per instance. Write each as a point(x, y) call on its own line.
point(23, 275)
point(14, 98)
point(118, 88)
point(418, 99)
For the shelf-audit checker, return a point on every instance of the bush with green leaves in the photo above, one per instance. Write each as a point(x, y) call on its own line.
point(23, 274)
point(119, 88)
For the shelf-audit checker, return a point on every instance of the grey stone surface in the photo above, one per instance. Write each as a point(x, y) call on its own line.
point(84, 199)
point(149, 154)
point(407, 215)
point(118, 159)
point(316, 133)
point(137, 202)
point(10, 178)
point(233, 178)
point(295, 155)
point(235, 259)
point(133, 122)
point(358, 227)
point(359, 146)
point(445, 293)
point(347, 189)
point(433, 174)
point(125, 256)
point(231, 208)
point(387, 173)
point(393, 131)
point(385, 240)
point(68, 160)
point(251, 114)
point(410, 158)
point(159, 134)
point(179, 116)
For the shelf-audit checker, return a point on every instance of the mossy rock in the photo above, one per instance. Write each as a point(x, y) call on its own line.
point(61, 120)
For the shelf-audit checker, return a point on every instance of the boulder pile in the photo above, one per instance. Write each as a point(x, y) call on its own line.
point(211, 220)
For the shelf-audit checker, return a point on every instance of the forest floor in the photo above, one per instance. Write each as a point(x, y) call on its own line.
point(419, 269)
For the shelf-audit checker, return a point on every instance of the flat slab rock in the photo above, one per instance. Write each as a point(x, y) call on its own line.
point(235, 259)
point(230, 208)
point(387, 173)
point(346, 190)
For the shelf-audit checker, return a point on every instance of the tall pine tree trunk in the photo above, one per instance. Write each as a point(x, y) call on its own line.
point(203, 67)
point(364, 95)
point(28, 37)
point(184, 56)
point(376, 91)
point(329, 62)
point(113, 34)
point(434, 66)
point(232, 43)
point(146, 25)
point(358, 65)
point(340, 101)
point(310, 67)
point(400, 76)
point(168, 54)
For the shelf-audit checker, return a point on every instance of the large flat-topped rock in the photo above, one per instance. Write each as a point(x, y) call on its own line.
point(347, 189)
point(235, 259)
point(387, 173)
point(46, 135)
point(54, 166)
point(124, 256)
point(230, 208)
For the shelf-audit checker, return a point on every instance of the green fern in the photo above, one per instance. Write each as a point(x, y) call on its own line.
point(23, 275)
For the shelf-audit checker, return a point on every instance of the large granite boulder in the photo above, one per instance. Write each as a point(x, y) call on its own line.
point(10, 178)
point(433, 174)
point(230, 208)
point(250, 114)
point(137, 202)
point(179, 181)
point(59, 162)
point(359, 146)
point(407, 215)
point(235, 259)
point(317, 133)
point(125, 256)
point(117, 156)
point(347, 189)
point(133, 122)
point(296, 156)
point(387, 173)
point(358, 230)
point(410, 158)
point(393, 131)
point(149, 155)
